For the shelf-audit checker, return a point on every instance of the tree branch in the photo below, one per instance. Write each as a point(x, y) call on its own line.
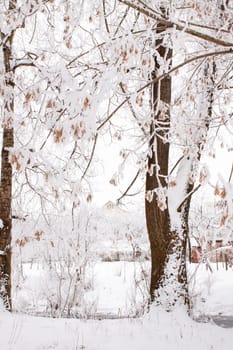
point(129, 187)
point(231, 173)
point(105, 17)
point(173, 168)
point(186, 62)
point(113, 112)
point(182, 28)
point(91, 157)
point(163, 75)
point(187, 197)
point(133, 111)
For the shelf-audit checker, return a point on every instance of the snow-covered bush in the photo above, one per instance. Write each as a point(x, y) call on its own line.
point(58, 270)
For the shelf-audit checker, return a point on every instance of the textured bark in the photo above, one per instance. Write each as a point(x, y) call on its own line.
point(6, 175)
point(158, 223)
point(5, 215)
point(168, 248)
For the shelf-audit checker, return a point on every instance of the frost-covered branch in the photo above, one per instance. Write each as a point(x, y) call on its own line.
point(163, 75)
point(176, 25)
point(185, 63)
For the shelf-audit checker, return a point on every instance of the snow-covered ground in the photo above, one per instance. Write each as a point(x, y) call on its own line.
point(96, 286)
point(117, 288)
point(211, 291)
point(156, 330)
point(111, 289)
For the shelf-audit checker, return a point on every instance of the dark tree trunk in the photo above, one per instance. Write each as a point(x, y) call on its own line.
point(158, 222)
point(5, 215)
point(6, 177)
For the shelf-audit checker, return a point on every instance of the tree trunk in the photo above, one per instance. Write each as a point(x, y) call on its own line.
point(209, 75)
point(168, 247)
point(157, 218)
point(6, 224)
point(6, 177)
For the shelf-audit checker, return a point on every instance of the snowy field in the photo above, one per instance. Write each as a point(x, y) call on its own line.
point(113, 284)
point(211, 291)
point(111, 289)
point(88, 290)
point(156, 330)
point(117, 289)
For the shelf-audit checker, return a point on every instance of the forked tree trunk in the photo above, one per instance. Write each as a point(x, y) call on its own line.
point(6, 177)
point(168, 247)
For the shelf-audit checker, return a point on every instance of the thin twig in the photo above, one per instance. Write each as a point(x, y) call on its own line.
point(51, 130)
point(133, 111)
point(187, 197)
point(74, 149)
point(231, 173)
point(129, 187)
point(122, 20)
point(178, 161)
point(113, 112)
point(34, 30)
point(105, 17)
point(91, 157)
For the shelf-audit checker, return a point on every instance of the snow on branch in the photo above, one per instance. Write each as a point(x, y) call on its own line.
point(170, 24)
